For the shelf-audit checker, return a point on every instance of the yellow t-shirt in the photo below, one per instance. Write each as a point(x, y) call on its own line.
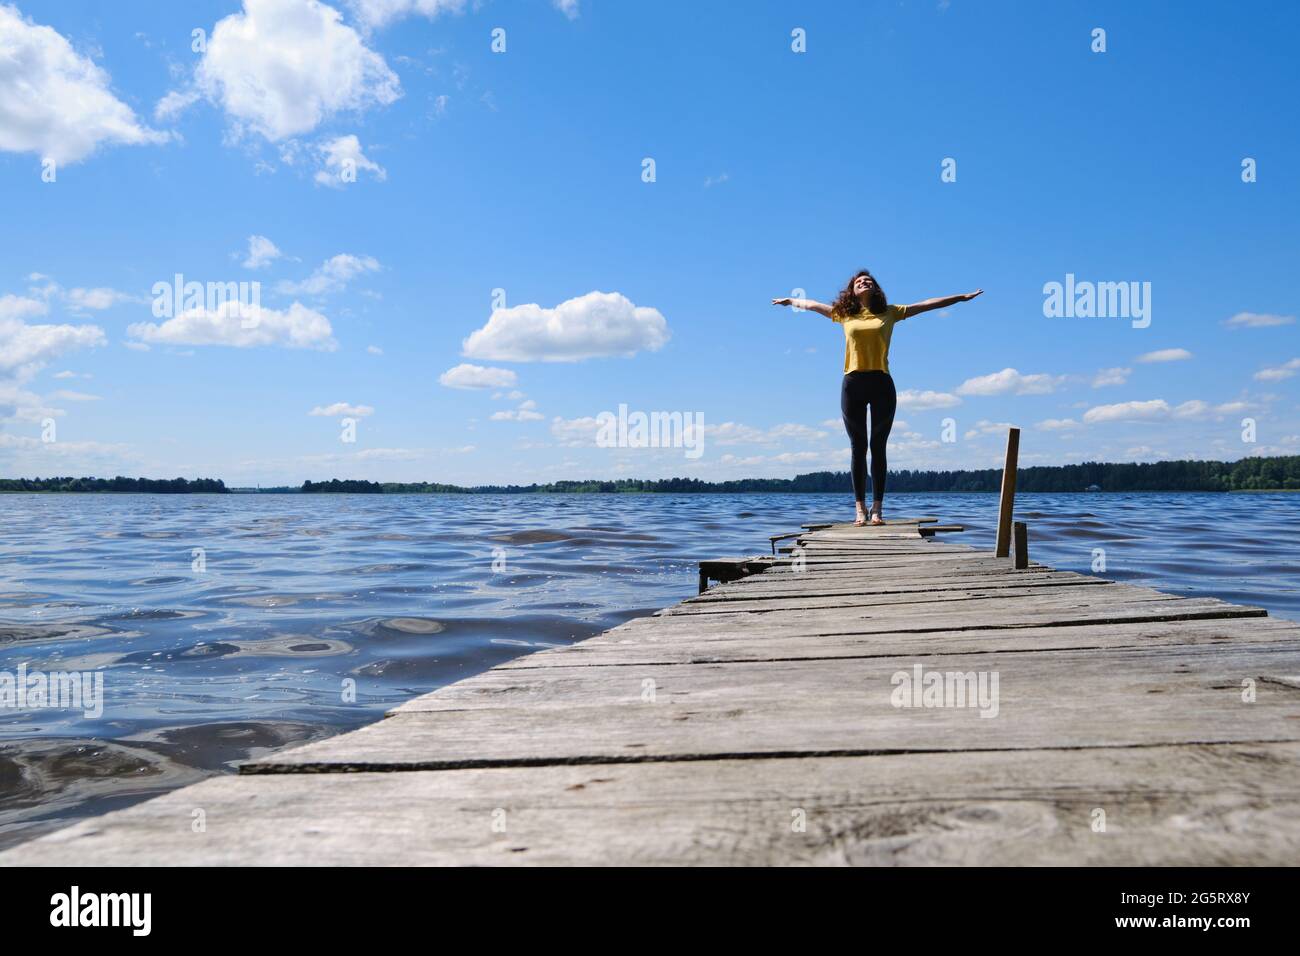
point(866, 338)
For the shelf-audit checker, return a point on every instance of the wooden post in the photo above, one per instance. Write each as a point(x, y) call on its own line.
point(1003, 546)
point(1022, 544)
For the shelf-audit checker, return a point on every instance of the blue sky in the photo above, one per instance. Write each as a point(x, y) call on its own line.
point(522, 171)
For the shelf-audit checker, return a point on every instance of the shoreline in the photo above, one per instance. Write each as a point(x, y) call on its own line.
point(1162, 477)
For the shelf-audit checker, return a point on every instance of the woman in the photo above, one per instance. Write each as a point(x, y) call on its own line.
point(868, 320)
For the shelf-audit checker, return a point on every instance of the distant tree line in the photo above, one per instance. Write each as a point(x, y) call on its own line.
point(349, 487)
point(156, 486)
point(1248, 474)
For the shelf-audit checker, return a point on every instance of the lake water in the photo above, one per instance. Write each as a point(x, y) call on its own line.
point(228, 625)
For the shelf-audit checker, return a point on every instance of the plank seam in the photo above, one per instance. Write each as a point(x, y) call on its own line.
point(490, 763)
point(1284, 644)
point(1233, 612)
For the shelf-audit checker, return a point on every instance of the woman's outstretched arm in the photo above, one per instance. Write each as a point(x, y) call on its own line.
point(811, 305)
point(917, 308)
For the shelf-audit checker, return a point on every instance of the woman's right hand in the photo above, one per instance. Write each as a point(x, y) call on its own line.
point(782, 301)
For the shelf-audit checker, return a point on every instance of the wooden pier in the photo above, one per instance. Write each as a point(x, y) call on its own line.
point(785, 717)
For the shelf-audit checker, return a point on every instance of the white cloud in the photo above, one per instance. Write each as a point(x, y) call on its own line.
point(26, 349)
point(281, 67)
point(18, 404)
point(81, 300)
point(746, 462)
point(332, 275)
point(576, 431)
point(241, 326)
point(1153, 410)
point(374, 350)
point(1164, 355)
point(55, 102)
point(1158, 409)
point(796, 457)
point(594, 325)
point(390, 454)
point(919, 401)
point(734, 433)
point(174, 104)
point(1195, 408)
point(1278, 372)
point(477, 376)
point(342, 408)
point(1232, 408)
point(986, 427)
point(795, 432)
point(1258, 320)
point(76, 300)
point(526, 412)
point(374, 14)
point(261, 253)
point(1057, 424)
point(75, 450)
point(1111, 376)
point(581, 432)
point(1010, 380)
point(337, 459)
point(19, 307)
point(65, 395)
point(342, 160)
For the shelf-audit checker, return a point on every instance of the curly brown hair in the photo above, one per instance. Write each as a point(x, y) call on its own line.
point(847, 304)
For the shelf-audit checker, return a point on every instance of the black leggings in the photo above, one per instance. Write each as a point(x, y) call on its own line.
point(859, 390)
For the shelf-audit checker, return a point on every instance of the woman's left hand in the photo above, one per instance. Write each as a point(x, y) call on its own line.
point(970, 295)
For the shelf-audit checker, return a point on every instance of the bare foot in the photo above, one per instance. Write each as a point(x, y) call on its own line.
point(875, 514)
point(861, 518)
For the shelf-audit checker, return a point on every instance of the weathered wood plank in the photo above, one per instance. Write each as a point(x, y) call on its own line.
point(939, 590)
point(1226, 805)
point(628, 645)
point(900, 571)
point(823, 586)
point(819, 528)
point(978, 611)
point(899, 558)
point(1091, 698)
point(933, 529)
point(901, 546)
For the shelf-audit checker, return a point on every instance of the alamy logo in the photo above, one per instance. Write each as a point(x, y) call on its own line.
point(1102, 300)
point(103, 909)
point(921, 688)
point(653, 430)
point(178, 297)
point(57, 690)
